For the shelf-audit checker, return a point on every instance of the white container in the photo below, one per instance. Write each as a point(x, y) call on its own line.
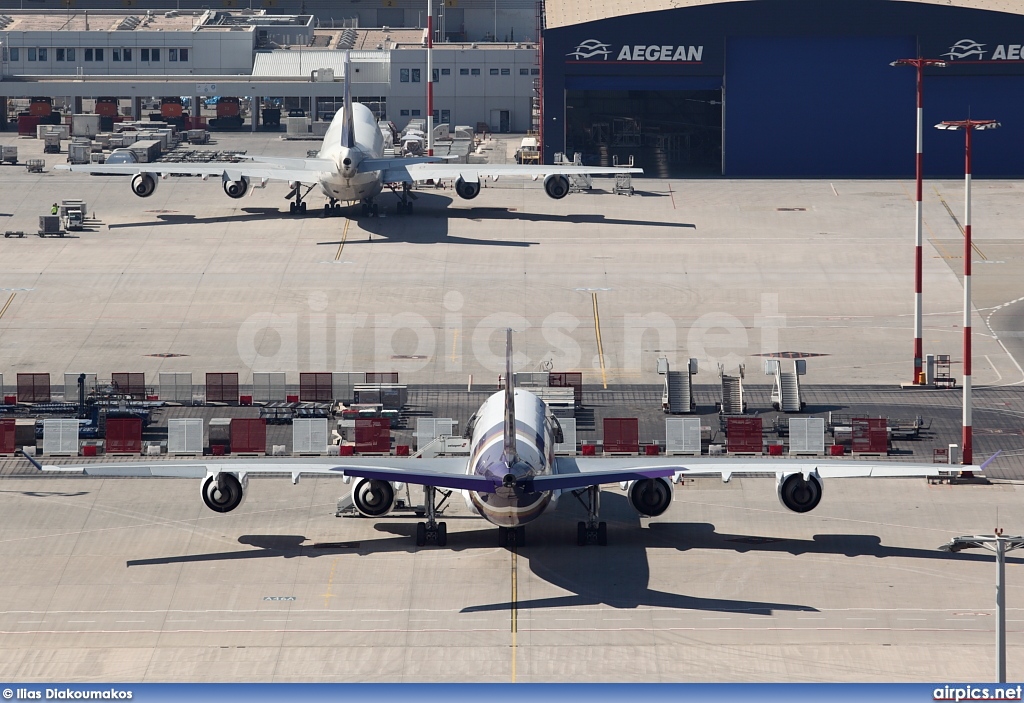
point(85, 125)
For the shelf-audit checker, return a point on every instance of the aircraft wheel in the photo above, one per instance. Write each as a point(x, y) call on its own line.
point(337, 210)
point(302, 207)
point(581, 533)
point(291, 208)
point(408, 208)
point(328, 210)
point(365, 210)
point(376, 210)
point(421, 534)
point(602, 534)
point(442, 534)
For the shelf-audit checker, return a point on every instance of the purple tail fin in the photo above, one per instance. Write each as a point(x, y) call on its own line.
point(508, 454)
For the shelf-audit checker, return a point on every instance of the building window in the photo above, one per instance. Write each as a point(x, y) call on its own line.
point(436, 114)
point(183, 54)
point(446, 71)
point(506, 71)
point(32, 54)
point(99, 54)
point(475, 71)
point(463, 71)
point(126, 54)
point(524, 71)
point(88, 54)
point(172, 55)
point(415, 75)
point(14, 54)
point(494, 71)
point(71, 54)
point(60, 55)
point(143, 54)
point(435, 76)
point(42, 54)
point(415, 113)
point(154, 54)
point(403, 113)
point(403, 75)
point(446, 116)
point(115, 54)
point(534, 71)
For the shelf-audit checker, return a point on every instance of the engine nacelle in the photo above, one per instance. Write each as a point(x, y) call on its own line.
point(144, 184)
point(466, 189)
point(798, 494)
point(224, 492)
point(373, 498)
point(556, 186)
point(235, 189)
point(649, 496)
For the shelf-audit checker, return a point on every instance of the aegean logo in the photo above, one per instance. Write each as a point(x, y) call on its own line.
point(966, 48)
point(590, 48)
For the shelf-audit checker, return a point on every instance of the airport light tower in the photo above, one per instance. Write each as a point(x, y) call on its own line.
point(967, 126)
point(999, 544)
point(920, 65)
point(430, 78)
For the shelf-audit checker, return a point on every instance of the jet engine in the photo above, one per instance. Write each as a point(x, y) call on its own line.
point(144, 184)
point(797, 493)
point(235, 189)
point(224, 492)
point(466, 189)
point(556, 186)
point(373, 498)
point(649, 496)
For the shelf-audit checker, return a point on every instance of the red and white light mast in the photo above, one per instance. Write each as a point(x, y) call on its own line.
point(430, 78)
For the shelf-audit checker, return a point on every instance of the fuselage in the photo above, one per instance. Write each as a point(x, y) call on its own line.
point(369, 144)
point(511, 506)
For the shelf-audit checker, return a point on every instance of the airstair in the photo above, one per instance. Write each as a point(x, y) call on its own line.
point(677, 397)
point(578, 182)
point(732, 402)
point(786, 393)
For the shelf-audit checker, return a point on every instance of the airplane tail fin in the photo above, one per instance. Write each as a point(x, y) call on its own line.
point(508, 454)
point(348, 129)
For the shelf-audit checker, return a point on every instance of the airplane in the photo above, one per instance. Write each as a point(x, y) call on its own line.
point(512, 476)
point(350, 166)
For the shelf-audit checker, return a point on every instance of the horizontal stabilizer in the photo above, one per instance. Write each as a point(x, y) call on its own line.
point(569, 481)
point(462, 482)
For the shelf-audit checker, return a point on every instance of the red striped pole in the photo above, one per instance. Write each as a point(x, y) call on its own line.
point(919, 64)
point(430, 78)
point(968, 126)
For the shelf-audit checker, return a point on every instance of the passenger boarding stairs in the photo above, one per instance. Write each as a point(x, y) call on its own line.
point(786, 393)
point(732, 402)
point(578, 182)
point(677, 398)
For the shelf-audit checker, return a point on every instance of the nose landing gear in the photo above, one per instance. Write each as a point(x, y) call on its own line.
point(591, 531)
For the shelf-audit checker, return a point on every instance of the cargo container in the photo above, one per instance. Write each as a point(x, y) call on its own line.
point(229, 113)
point(106, 107)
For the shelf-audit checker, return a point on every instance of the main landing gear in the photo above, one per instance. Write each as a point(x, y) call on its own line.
point(432, 531)
point(591, 531)
point(512, 536)
point(369, 208)
point(332, 208)
point(405, 199)
point(298, 206)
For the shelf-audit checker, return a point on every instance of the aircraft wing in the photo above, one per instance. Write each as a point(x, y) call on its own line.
point(401, 173)
point(443, 472)
point(681, 467)
point(233, 171)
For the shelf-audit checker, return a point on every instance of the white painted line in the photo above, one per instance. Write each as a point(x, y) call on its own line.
point(81, 621)
point(127, 621)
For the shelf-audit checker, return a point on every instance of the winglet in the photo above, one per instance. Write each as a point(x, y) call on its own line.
point(40, 466)
point(509, 455)
point(988, 461)
point(348, 127)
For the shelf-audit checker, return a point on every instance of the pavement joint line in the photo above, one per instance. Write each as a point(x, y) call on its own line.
point(957, 221)
point(10, 300)
point(344, 238)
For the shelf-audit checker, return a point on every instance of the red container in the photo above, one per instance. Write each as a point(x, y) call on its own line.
point(245, 400)
point(652, 450)
point(89, 450)
point(345, 450)
point(743, 434)
point(27, 125)
point(124, 435)
point(836, 450)
point(152, 397)
point(774, 450)
point(621, 435)
point(589, 450)
point(7, 435)
point(248, 435)
point(10, 400)
point(293, 399)
point(402, 450)
point(217, 450)
point(373, 434)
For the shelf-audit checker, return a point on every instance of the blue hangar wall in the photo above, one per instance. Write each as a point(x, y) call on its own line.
point(806, 84)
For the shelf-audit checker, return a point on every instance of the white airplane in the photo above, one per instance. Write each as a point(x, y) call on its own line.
point(350, 166)
point(512, 476)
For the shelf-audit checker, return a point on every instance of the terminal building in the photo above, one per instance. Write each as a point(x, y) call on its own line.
point(793, 88)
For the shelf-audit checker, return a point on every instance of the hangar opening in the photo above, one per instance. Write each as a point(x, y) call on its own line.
point(674, 129)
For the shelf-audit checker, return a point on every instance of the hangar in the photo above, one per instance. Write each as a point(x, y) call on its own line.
point(787, 88)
